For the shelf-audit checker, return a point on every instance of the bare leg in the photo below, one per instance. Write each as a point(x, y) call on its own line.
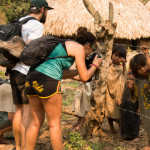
point(1, 138)
point(2, 131)
point(81, 123)
point(78, 122)
point(26, 118)
point(53, 107)
point(147, 147)
point(38, 114)
point(11, 116)
point(17, 126)
point(110, 121)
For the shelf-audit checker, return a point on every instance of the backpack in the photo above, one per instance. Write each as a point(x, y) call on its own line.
point(37, 50)
point(7, 32)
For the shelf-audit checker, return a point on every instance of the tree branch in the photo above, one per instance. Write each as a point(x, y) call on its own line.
point(93, 12)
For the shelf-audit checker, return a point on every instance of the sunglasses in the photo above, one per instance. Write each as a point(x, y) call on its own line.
point(94, 47)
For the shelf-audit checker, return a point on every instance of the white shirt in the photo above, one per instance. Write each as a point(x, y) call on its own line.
point(33, 29)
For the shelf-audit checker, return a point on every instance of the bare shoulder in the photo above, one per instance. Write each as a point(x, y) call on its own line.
point(73, 47)
point(72, 44)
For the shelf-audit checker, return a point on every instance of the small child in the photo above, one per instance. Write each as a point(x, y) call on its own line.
point(129, 119)
point(83, 95)
point(140, 66)
point(82, 103)
point(115, 85)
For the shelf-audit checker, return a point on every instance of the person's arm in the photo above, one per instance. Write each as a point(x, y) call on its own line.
point(123, 62)
point(70, 73)
point(145, 51)
point(77, 50)
point(28, 41)
point(85, 74)
point(76, 78)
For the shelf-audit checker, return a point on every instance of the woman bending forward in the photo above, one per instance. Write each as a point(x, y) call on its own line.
point(43, 85)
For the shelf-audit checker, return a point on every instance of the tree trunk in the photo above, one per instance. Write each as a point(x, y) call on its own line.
point(104, 31)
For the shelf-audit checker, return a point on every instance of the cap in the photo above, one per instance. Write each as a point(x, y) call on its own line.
point(40, 4)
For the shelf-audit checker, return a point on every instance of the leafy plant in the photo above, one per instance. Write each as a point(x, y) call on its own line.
point(75, 141)
point(73, 84)
point(14, 9)
point(65, 117)
point(2, 74)
point(97, 146)
point(120, 148)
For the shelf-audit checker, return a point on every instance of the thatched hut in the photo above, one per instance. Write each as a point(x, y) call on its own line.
point(146, 41)
point(133, 20)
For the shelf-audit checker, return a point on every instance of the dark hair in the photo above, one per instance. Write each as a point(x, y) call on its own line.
point(120, 50)
point(34, 11)
point(135, 62)
point(83, 36)
point(130, 73)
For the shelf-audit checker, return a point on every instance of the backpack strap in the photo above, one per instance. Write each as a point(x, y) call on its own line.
point(47, 58)
point(26, 20)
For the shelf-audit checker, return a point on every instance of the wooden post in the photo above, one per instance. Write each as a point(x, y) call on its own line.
point(94, 13)
point(111, 13)
point(94, 117)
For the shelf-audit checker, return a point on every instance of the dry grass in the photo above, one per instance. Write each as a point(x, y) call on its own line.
point(131, 16)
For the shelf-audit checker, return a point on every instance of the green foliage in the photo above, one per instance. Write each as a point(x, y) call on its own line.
point(14, 8)
point(68, 96)
point(2, 74)
point(97, 146)
point(120, 148)
point(3, 18)
point(73, 84)
point(68, 101)
point(65, 117)
point(75, 141)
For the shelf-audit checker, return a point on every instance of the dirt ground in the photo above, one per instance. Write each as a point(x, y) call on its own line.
point(110, 142)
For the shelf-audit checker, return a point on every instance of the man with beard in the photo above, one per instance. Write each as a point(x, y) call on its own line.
point(31, 30)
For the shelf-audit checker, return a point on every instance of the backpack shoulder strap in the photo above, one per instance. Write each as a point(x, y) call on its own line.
point(26, 20)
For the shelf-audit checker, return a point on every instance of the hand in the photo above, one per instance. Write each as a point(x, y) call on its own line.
point(144, 49)
point(118, 102)
point(123, 61)
point(138, 111)
point(97, 61)
point(130, 84)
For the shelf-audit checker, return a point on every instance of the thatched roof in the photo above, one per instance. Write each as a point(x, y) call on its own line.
point(148, 5)
point(133, 20)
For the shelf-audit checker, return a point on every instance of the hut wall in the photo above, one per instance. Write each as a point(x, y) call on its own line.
point(145, 42)
point(132, 44)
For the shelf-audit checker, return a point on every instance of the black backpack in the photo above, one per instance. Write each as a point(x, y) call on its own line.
point(7, 31)
point(36, 51)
